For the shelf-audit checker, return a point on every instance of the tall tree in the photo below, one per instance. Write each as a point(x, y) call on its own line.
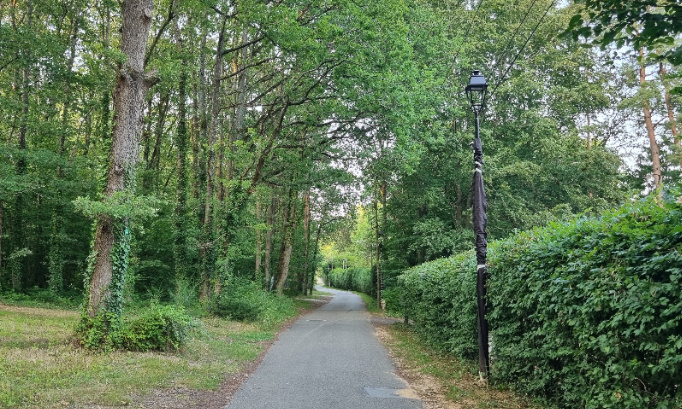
point(650, 130)
point(112, 237)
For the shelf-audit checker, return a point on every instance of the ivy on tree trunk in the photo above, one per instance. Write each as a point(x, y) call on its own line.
point(111, 246)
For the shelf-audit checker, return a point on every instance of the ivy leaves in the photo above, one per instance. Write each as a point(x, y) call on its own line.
point(122, 205)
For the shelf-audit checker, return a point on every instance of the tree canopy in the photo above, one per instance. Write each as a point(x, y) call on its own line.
point(647, 23)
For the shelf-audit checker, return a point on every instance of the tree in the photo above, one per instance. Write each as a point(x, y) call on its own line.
point(112, 237)
point(642, 24)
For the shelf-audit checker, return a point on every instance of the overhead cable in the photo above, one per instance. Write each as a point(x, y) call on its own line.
point(511, 39)
point(523, 47)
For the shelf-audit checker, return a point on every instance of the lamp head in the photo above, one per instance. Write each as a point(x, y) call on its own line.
point(476, 91)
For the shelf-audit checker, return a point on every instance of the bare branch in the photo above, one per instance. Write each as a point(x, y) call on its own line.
point(169, 18)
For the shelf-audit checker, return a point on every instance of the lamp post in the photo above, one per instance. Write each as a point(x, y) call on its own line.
point(476, 93)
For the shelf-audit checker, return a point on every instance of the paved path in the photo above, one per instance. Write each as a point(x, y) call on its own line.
point(328, 359)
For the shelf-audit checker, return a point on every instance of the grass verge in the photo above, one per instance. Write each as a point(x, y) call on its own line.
point(455, 384)
point(41, 368)
point(370, 302)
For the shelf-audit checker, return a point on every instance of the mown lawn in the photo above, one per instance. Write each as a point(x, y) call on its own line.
point(41, 368)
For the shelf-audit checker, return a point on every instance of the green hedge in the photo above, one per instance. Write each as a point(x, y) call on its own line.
point(353, 279)
point(585, 314)
point(440, 298)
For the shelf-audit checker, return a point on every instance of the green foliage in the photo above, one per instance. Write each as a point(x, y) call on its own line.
point(588, 313)
point(120, 257)
point(120, 205)
point(160, 328)
point(583, 314)
point(99, 333)
point(244, 300)
point(641, 23)
point(366, 84)
point(354, 279)
point(42, 298)
point(185, 294)
point(440, 297)
point(394, 299)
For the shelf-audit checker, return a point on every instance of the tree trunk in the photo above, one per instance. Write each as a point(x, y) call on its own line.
point(208, 245)
point(587, 114)
point(671, 111)
point(104, 130)
point(311, 284)
point(259, 242)
point(200, 127)
point(239, 85)
point(1, 214)
point(285, 259)
point(382, 234)
point(213, 129)
point(306, 242)
point(589, 134)
point(55, 255)
point(179, 251)
point(270, 223)
point(112, 236)
point(67, 85)
point(378, 250)
point(288, 226)
point(151, 176)
point(240, 112)
point(18, 228)
point(655, 153)
point(88, 133)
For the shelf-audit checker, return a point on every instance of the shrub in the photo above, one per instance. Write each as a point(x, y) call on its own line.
point(161, 328)
point(42, 298)
point(240, 300)
point(244, 300)
point(583, 314)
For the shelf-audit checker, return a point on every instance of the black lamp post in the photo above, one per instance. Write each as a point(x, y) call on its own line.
point(476, 93)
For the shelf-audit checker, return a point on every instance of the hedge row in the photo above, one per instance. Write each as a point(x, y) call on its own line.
point(353, 279)
point(585, 314)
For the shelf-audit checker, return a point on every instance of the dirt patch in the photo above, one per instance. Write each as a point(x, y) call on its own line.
point(427, 388)
point(382, 320)
point(456, 388)
point(184, 398)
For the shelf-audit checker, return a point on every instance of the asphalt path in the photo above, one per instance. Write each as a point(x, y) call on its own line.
point(328, 359)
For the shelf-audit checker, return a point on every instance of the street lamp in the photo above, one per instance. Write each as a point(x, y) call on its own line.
point(476, 93)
